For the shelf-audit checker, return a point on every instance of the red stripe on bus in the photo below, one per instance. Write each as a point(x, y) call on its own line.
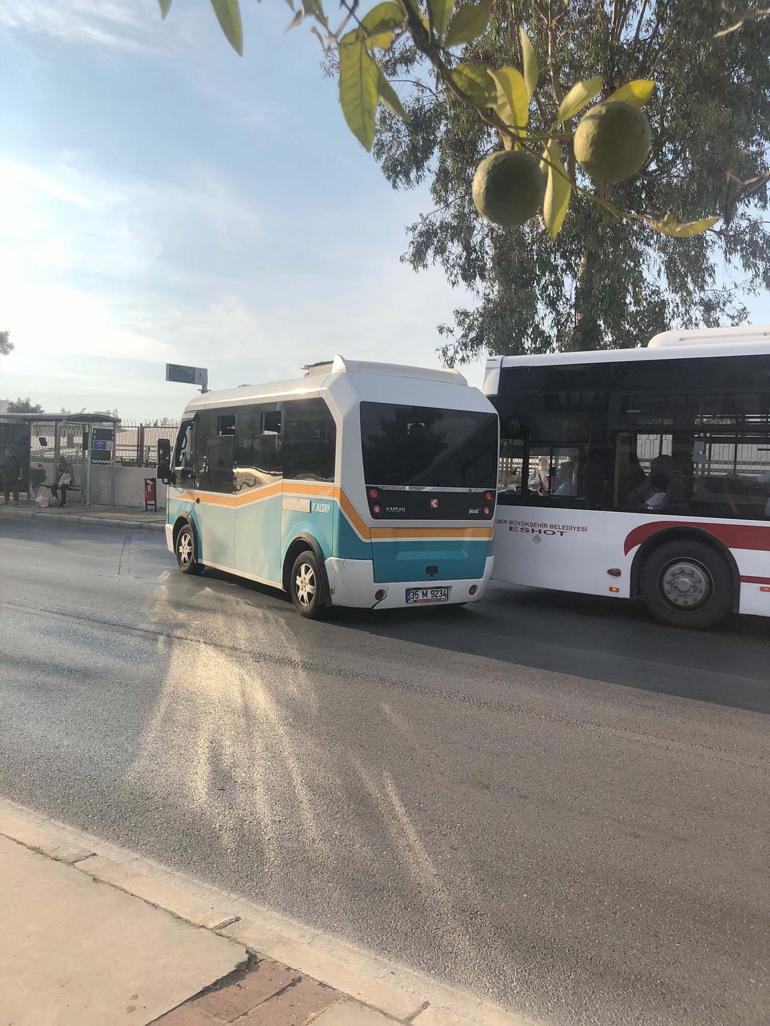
point(755, 580)
point(734, 536)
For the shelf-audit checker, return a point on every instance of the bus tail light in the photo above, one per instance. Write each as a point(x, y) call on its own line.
point(373, 493)
point(489, 496)
point(614, 590)
point(614, 572)
point(376, 509)
point(473, 589)
point(380, 594)
point(765, 588)
point(486, 511)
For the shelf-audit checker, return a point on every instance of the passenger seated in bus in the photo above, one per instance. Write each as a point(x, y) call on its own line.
point(566, 479)
point(658, 497)
point(660, 465)
point(540, 481)
point(763, 480)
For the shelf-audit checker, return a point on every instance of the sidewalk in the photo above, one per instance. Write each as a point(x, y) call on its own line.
point(115, 516)
point(94, 935)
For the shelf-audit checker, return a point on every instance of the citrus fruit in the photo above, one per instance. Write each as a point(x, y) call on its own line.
point(612, 141)
point(508, 187)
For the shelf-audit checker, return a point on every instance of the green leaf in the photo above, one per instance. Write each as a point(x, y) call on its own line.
point(359, 92)
point(636, 93)
point(512, 97)
point(558, 191)
point(439, 12)
point(389, 97)
point(315, 9)
point(165, 7)
point(475, 81)
point(381, 24)
point(468, 23)
point(670, 226)
point(530, 61)
point(229, 16)
point(578, 97)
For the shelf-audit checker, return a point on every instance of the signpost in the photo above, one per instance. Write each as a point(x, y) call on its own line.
point(188, 375)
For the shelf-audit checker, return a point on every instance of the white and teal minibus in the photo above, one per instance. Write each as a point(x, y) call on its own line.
point(360, 484)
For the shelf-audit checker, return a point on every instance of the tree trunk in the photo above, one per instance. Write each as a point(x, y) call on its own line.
point(586, 333)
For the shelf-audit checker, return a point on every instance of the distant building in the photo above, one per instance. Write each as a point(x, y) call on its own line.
point(4, 404)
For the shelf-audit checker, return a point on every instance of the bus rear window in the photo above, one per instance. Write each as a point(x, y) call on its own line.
point(419, 446)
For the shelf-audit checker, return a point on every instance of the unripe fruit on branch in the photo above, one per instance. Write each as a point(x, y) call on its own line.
point(612, 141)
point(508, 187)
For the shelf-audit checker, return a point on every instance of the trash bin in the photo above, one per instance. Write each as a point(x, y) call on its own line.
point(151, 493)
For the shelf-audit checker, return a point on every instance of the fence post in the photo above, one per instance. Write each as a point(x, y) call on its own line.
point(140, 445)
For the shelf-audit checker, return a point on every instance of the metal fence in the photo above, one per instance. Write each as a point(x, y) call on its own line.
point(136, 445)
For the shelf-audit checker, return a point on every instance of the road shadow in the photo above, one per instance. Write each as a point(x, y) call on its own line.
point(586, 636)
point(606, 640)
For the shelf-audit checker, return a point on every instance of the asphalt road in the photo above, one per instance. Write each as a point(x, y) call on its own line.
point(548, 799)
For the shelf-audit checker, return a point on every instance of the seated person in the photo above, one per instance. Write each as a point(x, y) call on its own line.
point(566, 479)
point(540, 481)
point(658, 492)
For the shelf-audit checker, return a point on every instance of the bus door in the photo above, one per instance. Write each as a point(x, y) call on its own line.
point(214, 480)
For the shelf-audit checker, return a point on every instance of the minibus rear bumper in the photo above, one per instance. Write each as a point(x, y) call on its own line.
point(352, 583)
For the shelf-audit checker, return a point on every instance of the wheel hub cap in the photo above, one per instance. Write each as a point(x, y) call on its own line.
point(686, 584)
point(305, 584)
point(184, 548)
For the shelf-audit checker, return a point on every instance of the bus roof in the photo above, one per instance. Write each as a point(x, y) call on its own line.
point(668, 345)
point(318, 378)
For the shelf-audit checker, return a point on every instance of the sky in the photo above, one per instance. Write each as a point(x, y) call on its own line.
point(163, 200)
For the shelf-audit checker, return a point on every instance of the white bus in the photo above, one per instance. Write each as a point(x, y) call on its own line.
point(360, 484)
point(640, 473)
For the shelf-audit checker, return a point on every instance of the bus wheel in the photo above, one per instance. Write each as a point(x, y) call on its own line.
point(184, 547)
point(687, 584)
point(305, 586)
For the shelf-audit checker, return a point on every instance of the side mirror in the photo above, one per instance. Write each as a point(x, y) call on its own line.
point(164, 461)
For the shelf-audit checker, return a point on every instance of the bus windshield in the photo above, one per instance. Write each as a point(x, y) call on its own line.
point(424, 447)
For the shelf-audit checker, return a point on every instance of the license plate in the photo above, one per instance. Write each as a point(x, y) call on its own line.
point(425, 596)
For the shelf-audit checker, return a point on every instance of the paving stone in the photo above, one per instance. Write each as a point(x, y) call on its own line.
point(292, 1007)
point(187, 1015)
point(261, 983)
point(350, 1013)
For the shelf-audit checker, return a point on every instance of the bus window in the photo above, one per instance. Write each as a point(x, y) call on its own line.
point(183, 452)
point(420, 446)
point(556, 471)
point(510, 478)
point(257, 454)
point(309, 440)
point(214, 451)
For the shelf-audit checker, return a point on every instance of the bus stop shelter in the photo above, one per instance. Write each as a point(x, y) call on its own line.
point(37, 440)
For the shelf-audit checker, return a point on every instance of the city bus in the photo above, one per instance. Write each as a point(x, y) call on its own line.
point(640, 473)
point(360, 484)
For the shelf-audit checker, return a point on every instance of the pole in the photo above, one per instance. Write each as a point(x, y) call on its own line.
point(88, 433)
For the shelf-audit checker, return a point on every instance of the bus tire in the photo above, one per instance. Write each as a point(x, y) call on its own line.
point(185, 548)
point(687, 584)
point(306, 586)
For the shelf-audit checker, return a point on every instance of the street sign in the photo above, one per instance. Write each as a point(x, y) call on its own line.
point(188, 375)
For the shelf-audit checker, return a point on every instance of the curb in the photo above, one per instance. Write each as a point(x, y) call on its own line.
point(65, 518)
point(397, 992)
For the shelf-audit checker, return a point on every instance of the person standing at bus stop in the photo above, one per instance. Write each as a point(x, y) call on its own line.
point(10, 471)
point(62, 480)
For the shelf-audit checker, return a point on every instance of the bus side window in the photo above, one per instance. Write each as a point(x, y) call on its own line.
point(310, 439)
point(214, 443)
point(556, 471)
point(257, 455)
point(510, 468)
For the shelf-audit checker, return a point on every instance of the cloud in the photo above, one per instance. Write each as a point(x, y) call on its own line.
point(110, 23)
